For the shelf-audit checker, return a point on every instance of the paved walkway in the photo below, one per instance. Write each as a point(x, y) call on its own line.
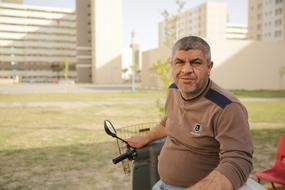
point(76, 104)
point(67, 88)
point(61, 88)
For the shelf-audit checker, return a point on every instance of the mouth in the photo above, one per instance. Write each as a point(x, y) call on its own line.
point(187, 79)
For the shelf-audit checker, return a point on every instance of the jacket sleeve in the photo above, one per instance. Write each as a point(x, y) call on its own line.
point(236, 147)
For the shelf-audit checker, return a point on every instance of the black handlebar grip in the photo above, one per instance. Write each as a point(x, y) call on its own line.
point(121, 157)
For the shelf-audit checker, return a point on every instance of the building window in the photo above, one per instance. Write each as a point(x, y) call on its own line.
point(278, 33)
point(278, 22)
point(278, 11)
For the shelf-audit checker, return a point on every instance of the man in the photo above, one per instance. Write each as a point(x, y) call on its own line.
point(208, 144)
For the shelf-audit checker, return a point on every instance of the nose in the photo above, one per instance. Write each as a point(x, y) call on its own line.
point(187, 68)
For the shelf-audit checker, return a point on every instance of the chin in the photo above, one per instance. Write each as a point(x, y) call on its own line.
point(189, 90)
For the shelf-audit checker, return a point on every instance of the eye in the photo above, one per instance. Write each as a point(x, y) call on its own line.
point(179, 61)
point(197, 63)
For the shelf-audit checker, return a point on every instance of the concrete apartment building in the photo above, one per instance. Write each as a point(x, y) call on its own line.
point(203, 21)
point(12, 1)
point(209, 20)
point(266, 20)
point(99, 41)
point(236, 31)
point(84, 41)
point(37, 44)
point(239, 63)
point(44, 44)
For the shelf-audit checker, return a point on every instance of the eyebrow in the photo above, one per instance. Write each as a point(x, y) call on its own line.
point(190, 60)
point(179, 59)
point(194, 60)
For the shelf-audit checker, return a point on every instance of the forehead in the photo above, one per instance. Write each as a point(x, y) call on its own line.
point(191, 53)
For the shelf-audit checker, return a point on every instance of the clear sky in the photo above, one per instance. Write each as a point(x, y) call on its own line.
point(143, 16)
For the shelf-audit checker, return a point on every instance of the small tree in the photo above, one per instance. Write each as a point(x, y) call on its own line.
point(281, 75)
point(163, 67)
point(66, 68)
point(171, 20)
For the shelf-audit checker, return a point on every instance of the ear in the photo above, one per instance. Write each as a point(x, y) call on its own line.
point(170, 60)
point(210, 65)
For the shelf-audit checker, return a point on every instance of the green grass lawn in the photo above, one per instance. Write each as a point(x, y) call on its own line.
point(260, 93)
point(53, 141)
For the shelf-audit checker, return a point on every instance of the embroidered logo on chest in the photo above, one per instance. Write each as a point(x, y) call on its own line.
point(197, 129)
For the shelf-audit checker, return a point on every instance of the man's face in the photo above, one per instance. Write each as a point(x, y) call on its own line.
point(190, 70)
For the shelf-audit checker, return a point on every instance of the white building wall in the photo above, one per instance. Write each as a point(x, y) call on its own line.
point(208, 20)
point(149, 77)
point(266, 20)
point(248, 64)
point(254, 19)
point(237, 31)
point(216, 20)
point(12, 1)
point(107, 41)
point(238, 64)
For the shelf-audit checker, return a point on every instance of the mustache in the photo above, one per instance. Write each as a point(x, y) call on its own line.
point(191, 77)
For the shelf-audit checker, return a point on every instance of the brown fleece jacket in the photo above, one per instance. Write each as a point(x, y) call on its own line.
point(209, 132)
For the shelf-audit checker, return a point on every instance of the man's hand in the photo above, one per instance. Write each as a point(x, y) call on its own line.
point(138, 141)
point(214, 181)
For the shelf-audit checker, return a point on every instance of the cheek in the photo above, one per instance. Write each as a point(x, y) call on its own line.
point(175, 71)
point(200, 73)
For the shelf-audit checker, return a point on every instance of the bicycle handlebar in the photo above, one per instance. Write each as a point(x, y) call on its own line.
point(130, 154)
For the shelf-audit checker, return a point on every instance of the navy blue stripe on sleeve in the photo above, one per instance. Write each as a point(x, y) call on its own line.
point(219, 99)
point(173, 85)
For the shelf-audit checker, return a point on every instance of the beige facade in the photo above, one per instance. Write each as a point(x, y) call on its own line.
point(249, 64)
point(237, 32)
point(36, 43)
point(266, 20)
point(208, 20)
point(83, 41)
point(238, 64)
point(12, 1)
point(106, 41)
point(149, 77)
point(99, 41)
point(44, 44)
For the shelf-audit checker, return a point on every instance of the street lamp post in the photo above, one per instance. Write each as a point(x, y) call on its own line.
point(13, 64)
point(133, 66)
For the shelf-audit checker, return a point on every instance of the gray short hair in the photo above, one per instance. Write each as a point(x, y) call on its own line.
point(192, 42)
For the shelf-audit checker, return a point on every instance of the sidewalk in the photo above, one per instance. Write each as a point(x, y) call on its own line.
point(61, 88)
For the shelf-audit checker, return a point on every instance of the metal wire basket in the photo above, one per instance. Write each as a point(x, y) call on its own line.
point(126, 132)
